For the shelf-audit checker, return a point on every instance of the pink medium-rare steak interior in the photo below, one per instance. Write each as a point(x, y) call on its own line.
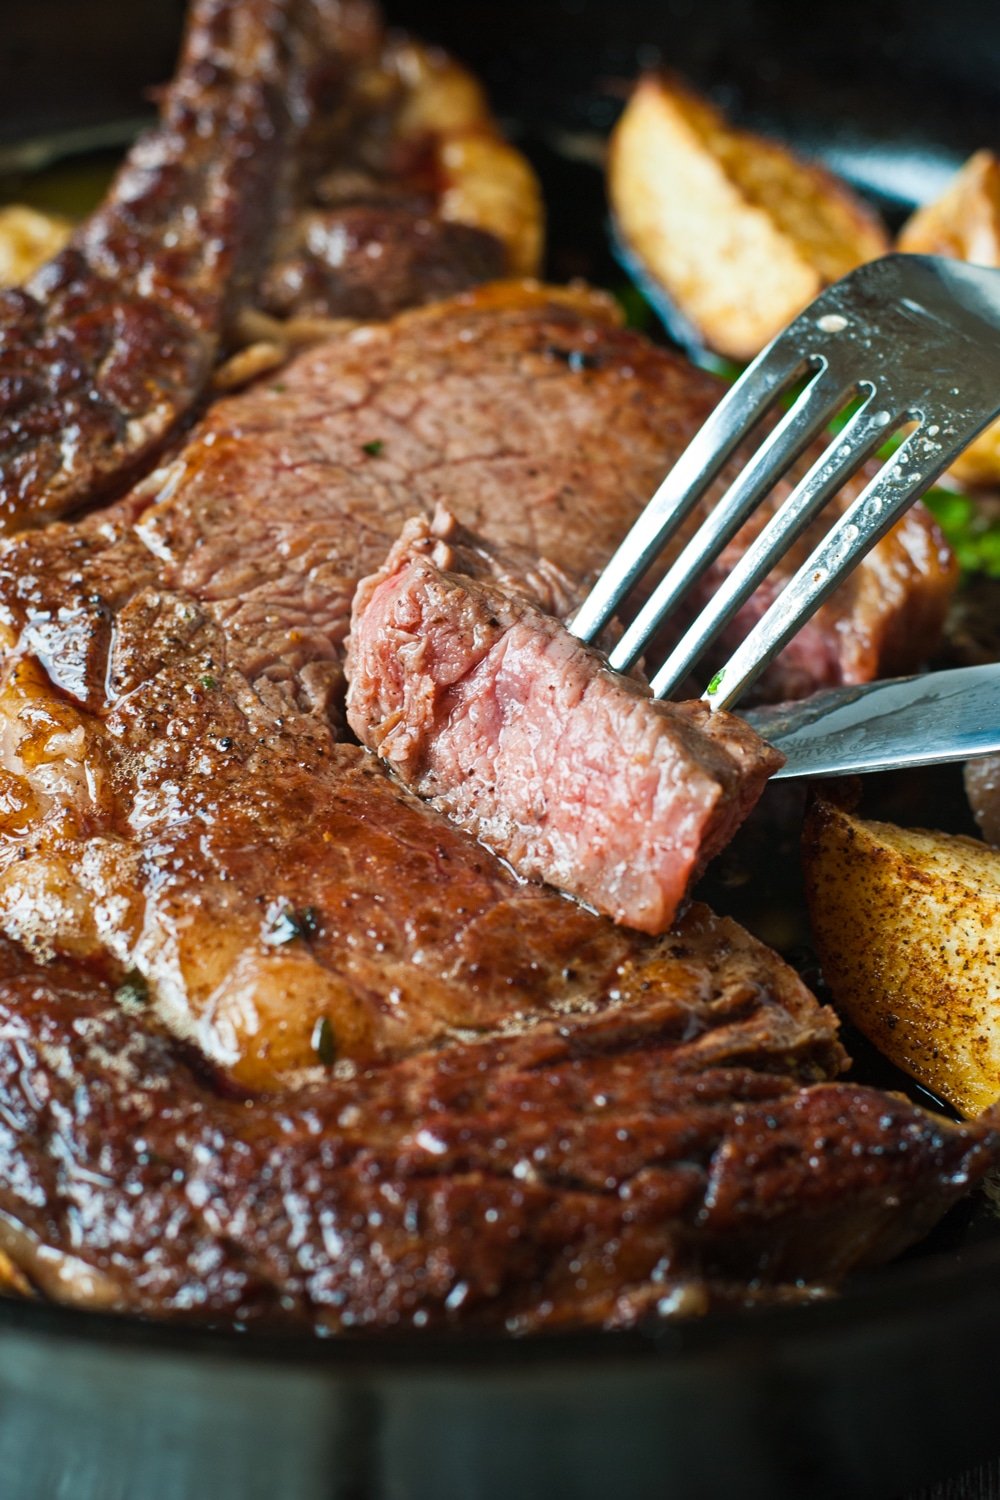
point(524, 410)
point(487, 707)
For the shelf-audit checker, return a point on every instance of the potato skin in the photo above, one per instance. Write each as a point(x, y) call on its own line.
point(28, 239)
point(739, 231)
point(906, 924)
point(965, 224)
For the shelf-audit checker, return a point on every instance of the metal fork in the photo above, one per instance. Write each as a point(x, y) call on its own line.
point(917, 338)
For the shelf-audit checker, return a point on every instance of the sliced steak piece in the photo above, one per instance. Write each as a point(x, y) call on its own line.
point(111, 343)
point(487, 707)
point(540, 425)
point(635, 1162)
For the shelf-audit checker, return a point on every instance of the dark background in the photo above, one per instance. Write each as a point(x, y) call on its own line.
point(881, 78)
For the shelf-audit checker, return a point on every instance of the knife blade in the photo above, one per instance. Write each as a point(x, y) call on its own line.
point(883, 726)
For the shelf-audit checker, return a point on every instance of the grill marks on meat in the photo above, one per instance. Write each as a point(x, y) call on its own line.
point(111, 343)
point(486, 706)
point(638, 1159)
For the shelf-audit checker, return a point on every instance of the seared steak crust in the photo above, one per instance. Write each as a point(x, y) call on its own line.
point(111, 343)
point(172, 697)
point(262, 881)
point(327, 1058)
point(659, 1154)
point(486, 706)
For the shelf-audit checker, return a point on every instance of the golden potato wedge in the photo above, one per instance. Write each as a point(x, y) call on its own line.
point(739, 231)
point(906, 925)
point(483, 181)
point(27, 240)
point(965, 223)
point(440, 96)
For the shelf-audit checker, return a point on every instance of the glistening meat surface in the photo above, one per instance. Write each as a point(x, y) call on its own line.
point(484, 704)
point(233, 904)
point(661, 1154)
point(171, 700)
point(113, 341)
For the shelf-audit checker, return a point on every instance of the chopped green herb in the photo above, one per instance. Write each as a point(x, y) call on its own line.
point(638, 313)
point(280, 387)
point(715, 684)
point(208, 682)
point(324, 1043)
point(133, 990)
point(374, 448)
point(726, 369)
point(971, 532)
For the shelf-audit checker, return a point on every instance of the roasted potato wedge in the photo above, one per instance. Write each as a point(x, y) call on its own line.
point(741, 233)
point(28, 239)
point(965, 223)
point(906, 924)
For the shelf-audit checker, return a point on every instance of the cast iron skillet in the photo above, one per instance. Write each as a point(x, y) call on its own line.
point(888, 1387)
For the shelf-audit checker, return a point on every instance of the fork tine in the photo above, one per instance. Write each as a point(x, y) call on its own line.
point(863, 435)
point(811, 413)
point(739, 411)
point(897, 484)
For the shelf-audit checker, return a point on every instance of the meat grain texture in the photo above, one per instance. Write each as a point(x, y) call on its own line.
point(290, 172)
point(279, 1041)
point(485, 705)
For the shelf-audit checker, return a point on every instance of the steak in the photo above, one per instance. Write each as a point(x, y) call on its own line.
point(175, 802)
point(661, 1155)
point(280, 1040)
point(112, 342)
point(272, 894)
point(487, 707)
point(526, 412)
point(370, 260)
